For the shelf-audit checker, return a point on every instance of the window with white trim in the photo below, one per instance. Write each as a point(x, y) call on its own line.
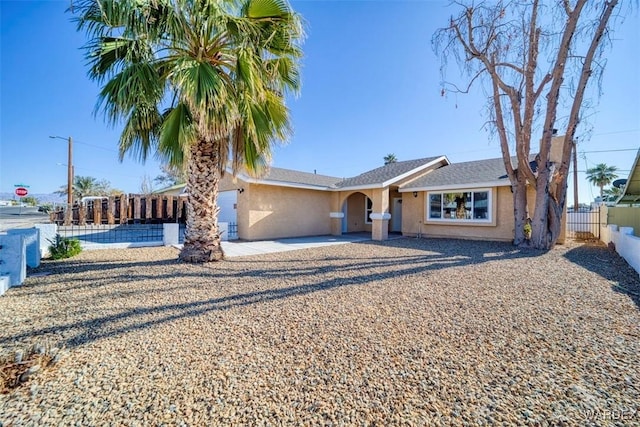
point(464, 206)
point(368, 210)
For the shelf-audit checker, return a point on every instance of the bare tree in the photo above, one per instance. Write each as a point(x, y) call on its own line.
point(146, 186)
point(537, 59)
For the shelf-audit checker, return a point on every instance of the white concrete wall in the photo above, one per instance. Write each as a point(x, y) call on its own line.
point(626, 244)
point(13, 258)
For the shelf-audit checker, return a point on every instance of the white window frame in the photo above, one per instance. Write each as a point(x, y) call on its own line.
point(367, 211)
point(490, 209)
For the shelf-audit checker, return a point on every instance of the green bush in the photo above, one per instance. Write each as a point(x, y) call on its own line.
point(64, 247)
point(45, 208)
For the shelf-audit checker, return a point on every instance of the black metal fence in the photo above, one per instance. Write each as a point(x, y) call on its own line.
point(124, 233)
point(128, 233)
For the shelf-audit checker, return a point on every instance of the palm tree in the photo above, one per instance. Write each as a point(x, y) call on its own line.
point(601, 175)
point(390, 158)
point(88, 186)
point(612, 194)
point(198, 82)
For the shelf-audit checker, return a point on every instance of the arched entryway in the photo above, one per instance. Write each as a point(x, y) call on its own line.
point(357, 209)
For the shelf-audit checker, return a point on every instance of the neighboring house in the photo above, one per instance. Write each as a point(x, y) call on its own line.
point(428, 197)
point(631, 193)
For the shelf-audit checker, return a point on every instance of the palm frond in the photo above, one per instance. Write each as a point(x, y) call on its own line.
point(140, 134)
point(136, 85)
point(262, 9)
point(177, 135)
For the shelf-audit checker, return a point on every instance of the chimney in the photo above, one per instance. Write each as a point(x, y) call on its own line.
point(557, 145)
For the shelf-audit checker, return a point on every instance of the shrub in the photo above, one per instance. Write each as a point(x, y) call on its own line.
point(64, 247)
point(46, 208)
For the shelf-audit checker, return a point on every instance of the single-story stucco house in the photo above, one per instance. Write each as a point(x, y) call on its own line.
point(422, 197)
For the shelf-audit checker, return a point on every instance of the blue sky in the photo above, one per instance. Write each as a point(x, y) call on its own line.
point(370, 88)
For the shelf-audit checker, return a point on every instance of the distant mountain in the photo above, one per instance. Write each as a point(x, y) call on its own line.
point(42, 198)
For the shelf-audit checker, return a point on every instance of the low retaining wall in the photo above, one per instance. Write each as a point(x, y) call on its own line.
point(13, 260)
point(626, 244)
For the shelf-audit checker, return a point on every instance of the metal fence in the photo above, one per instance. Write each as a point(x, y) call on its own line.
point(130, 233)
point(124, 233)
point(584, 225)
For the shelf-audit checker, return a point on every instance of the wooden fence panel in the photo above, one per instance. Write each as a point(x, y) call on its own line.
point(134, 208)
point(111, 210)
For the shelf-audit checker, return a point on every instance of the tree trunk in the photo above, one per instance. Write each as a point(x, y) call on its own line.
point(202, 241)
point(546, 224)
point(519, 190)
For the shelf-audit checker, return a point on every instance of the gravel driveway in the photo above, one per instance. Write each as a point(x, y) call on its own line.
point(406, 332)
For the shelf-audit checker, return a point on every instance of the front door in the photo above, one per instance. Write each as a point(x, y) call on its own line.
point(396, 215)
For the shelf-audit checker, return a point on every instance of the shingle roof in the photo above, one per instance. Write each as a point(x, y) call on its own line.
point(297, 177)
point(385, 173)
point(465, 173)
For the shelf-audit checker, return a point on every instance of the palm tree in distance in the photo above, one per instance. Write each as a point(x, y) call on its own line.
point(612, 194)
point(84, 186)
point(390, 158)
point(200, 83)
point(601, 175)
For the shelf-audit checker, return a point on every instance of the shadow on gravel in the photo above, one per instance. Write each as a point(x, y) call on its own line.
point(427, 255)
point(605, 262)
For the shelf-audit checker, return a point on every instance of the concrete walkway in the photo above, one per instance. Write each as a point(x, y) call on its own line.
point(236, 248)
point(239, 248)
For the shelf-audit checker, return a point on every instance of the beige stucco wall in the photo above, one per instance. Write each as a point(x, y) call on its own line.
point(382, 203)
point(501, 229)
point(268, 212)
point(356, 213)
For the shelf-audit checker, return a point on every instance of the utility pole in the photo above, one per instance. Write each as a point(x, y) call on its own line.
point(69, 213)
point(68, 218)
point(575, 175)
point(70, 174)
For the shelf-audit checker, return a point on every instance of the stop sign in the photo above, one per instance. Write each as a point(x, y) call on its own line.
point(21, 192)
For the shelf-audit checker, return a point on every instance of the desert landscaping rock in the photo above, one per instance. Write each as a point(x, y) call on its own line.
point(408, 332)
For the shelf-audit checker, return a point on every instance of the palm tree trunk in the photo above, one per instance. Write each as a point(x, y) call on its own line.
point(202, 241)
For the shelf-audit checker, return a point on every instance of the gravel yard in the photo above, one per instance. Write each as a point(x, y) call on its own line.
point(406, 332)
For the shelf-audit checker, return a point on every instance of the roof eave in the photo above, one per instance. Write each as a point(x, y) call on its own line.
point(463, 186)
point(171, 188)
point(635, 169)
point(359, 187)
point(415, 170)
point(285, 184)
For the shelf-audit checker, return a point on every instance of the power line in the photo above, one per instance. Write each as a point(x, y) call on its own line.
point(617, 131)
point(610, 151)
point(617, 170)
point(95, 146)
